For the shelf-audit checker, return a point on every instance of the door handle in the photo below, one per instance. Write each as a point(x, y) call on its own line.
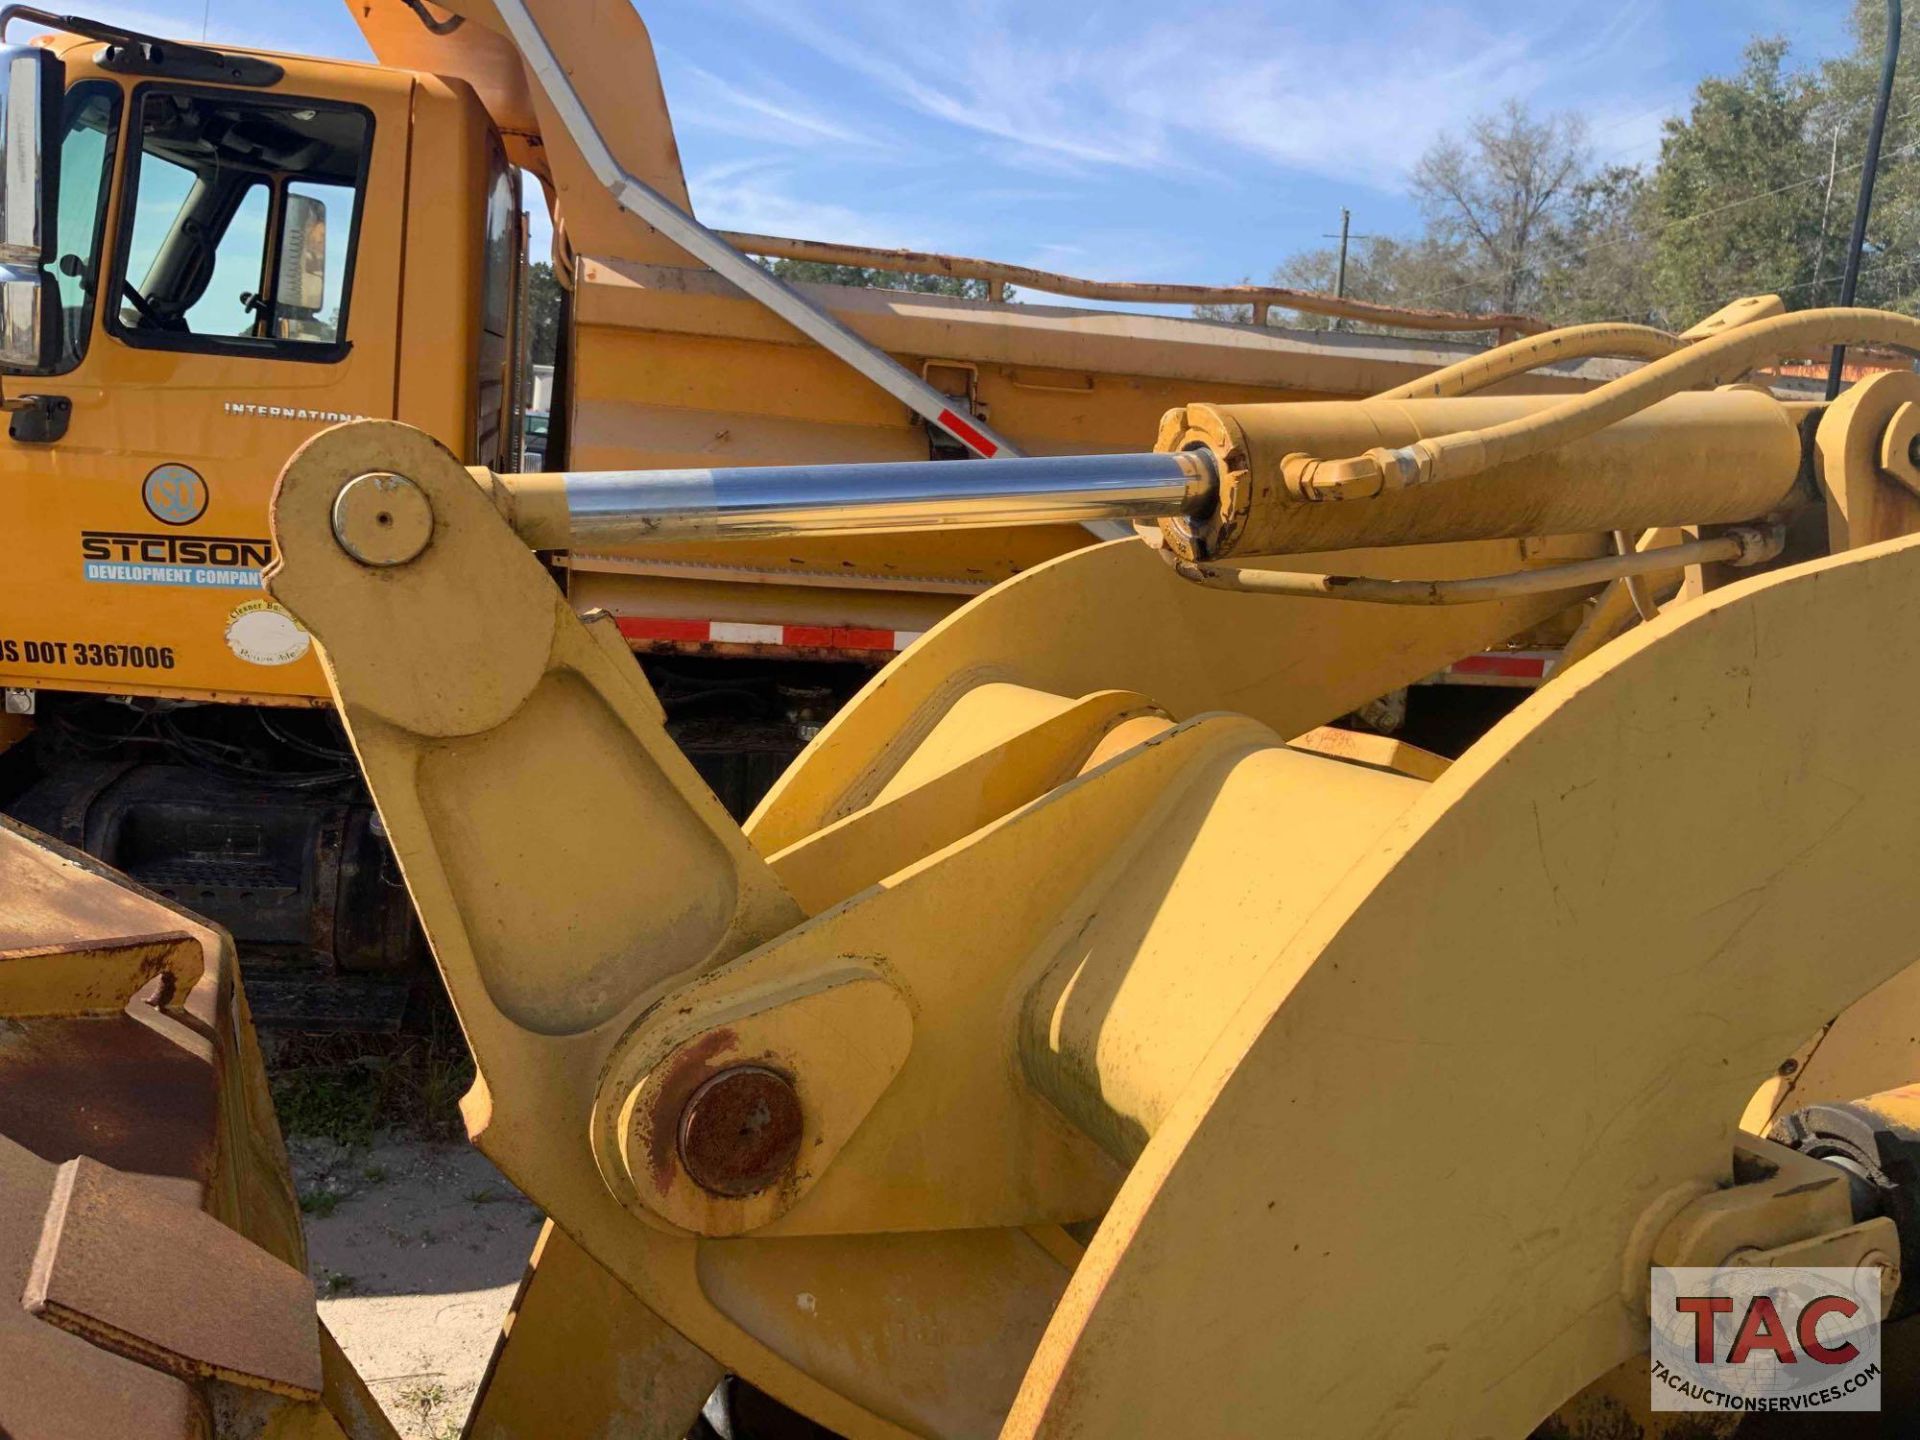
point(37, 419)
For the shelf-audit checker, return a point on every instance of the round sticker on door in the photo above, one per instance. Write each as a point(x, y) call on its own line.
point(174, 494)
point(261, 633)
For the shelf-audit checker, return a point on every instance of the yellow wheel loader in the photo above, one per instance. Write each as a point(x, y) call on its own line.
point(236, 249)
point(1080, 1039)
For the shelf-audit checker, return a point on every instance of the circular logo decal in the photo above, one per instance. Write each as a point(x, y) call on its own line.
point(261, 633)
point(174, 494)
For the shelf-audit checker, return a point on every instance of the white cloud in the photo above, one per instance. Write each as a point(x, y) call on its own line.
point(768, 198)
point(1622, 134)
point(1219, 87)
point(975, 69)
point(757, 108)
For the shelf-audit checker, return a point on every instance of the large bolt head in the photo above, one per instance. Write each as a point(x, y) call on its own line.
point(382, 519)
point(740, 1131)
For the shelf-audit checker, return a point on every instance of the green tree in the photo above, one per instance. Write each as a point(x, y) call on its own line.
point(1841, 115)
point(1594, 262)
point(1380, 269)
point(543, 313)
point(1432, 271)
point(1738, 190)
point(865, 277)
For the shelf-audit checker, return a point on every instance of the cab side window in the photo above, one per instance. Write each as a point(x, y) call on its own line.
point(238, 254)
point(240, 222)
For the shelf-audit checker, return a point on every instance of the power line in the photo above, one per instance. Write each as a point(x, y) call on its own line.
point(1878, 265)
point(1875, 266)
point(1607, 156)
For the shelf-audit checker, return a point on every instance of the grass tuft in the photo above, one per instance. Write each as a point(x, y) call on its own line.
point(350, 1088)
point(335, 1282)
point(426, 1401)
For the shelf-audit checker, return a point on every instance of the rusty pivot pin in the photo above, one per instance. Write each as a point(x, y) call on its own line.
point(740, 1130)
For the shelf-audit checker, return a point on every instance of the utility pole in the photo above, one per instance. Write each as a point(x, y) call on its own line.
point(1340, 279)
point(1346, 223)
point(1340, 282)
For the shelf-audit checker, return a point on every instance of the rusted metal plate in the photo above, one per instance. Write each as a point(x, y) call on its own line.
point(75, 940)
point(134, 1272)
point(123, 1040)
point(108, 1003)
point(131, 1095)
point(60, 899)
point(56, 1386)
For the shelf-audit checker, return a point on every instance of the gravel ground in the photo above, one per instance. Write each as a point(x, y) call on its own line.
point(415, 1248)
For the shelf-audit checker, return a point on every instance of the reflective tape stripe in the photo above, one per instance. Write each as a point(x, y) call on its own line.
point(687, 630)
point(740, 633)
point(1513, 664)
point(647, 630)
point(970, 434)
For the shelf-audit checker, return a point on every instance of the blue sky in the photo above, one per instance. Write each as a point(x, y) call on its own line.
point(1115, 138)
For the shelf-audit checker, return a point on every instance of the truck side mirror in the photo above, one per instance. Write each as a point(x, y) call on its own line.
point(303, 256)
point(32, 91)
point(30, 316)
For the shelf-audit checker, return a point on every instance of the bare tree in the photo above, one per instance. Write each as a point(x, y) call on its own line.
point(1380, 269)
point(1498, 193)
point(1596, 260)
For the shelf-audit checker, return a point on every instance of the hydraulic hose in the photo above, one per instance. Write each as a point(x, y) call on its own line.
point(1863, 204)
point(1741, 546)
point(1715, 361)
point(1575, 342)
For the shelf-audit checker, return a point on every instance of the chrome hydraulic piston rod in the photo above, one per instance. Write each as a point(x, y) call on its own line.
point(1216, 484)
point(621, 507)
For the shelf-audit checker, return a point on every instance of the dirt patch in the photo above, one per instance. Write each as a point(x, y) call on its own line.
point(415, 1248)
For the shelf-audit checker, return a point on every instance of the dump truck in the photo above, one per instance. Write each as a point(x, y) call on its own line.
point(1080, 1038)
point(240, 249)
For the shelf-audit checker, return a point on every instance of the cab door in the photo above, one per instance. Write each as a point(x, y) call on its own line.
point(239, 293)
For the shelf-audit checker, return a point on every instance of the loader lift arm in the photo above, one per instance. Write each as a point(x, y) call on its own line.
point(952, 973)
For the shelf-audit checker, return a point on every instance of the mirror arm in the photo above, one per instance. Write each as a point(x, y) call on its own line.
point(136, 53)
point(105, 34)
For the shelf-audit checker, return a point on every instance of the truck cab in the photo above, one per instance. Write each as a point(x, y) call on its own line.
point(235, 266)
